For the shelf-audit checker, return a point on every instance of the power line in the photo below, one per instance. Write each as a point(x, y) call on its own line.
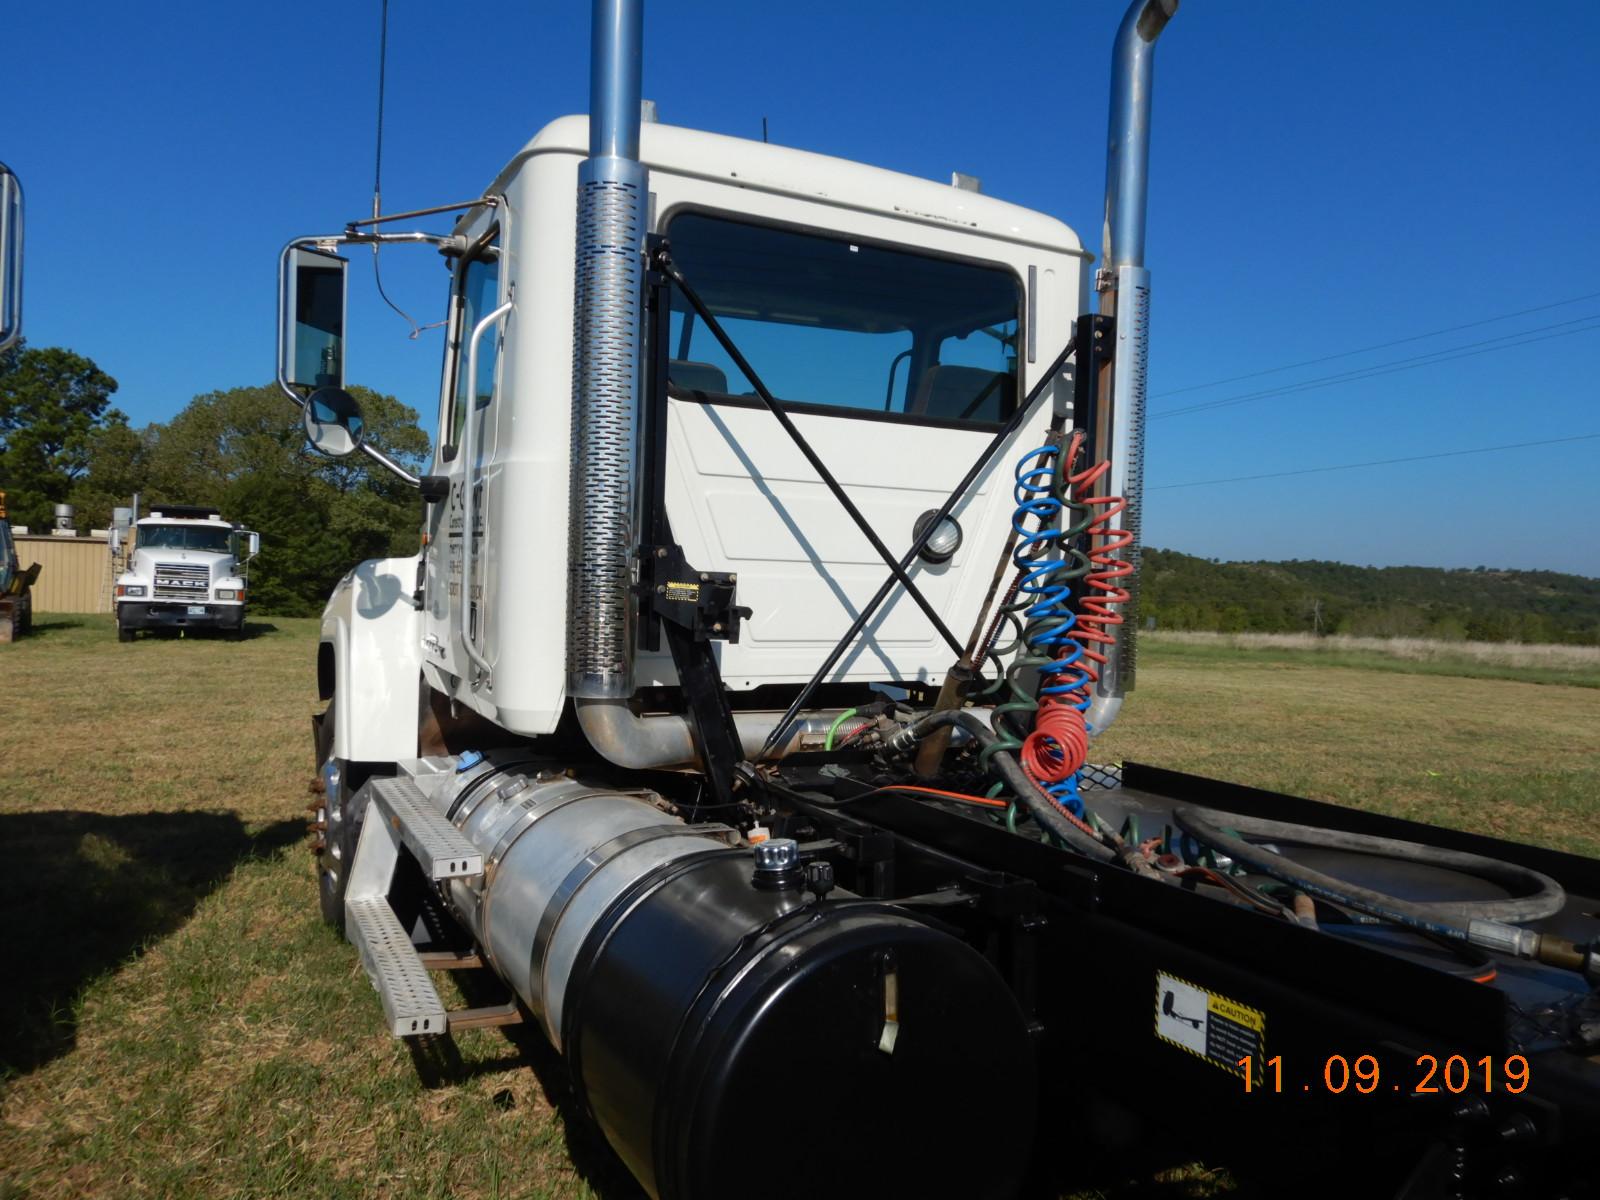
point(1467, 350)
point(1378, 462)
point(1311, 362)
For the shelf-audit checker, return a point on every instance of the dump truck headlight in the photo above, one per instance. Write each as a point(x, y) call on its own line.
point(228, 594)
point(130, 589)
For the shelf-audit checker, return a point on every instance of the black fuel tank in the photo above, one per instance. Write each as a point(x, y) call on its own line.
point(738, 1042)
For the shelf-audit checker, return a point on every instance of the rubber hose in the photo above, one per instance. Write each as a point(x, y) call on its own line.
point(1545, 897)
point(834, 728)
point(1040, 806)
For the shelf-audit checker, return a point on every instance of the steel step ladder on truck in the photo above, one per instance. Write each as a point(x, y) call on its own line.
point(773, 811)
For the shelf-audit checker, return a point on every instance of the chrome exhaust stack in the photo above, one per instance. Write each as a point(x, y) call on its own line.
point(613, 189)
point(1124, 286)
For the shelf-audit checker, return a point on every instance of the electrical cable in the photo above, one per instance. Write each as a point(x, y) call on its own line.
point(1417, 337)
point(377, 175)
point(963, 797)
point(1378, 462)
point(1390, 368)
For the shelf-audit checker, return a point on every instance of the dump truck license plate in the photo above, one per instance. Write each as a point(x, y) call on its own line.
point(197, 610)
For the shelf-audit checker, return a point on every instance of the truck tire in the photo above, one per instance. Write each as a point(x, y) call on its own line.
point(124, 634)
point(339, 826)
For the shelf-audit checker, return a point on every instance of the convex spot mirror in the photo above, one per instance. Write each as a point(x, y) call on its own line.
point(311, 304)
point(10, 258)
point(333, 421)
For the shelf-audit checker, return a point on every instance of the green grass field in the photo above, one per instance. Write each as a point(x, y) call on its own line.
point(176, 1021)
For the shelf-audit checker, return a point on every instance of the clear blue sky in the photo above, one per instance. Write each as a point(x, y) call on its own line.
point(1325, 176)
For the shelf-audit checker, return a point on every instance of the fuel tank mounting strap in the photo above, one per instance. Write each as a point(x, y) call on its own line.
point(538, 808)
point(494, 785)
point(534, 814)
point(458, 806)
point(598, 857)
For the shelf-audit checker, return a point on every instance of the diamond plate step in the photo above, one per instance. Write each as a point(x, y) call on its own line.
point(438, 845)
point(411, 1004)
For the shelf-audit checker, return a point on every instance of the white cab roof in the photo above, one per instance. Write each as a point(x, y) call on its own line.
point(800, 173)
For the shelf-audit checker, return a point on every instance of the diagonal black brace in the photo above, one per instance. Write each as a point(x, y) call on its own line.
point(1011, 426)
point(666, 266)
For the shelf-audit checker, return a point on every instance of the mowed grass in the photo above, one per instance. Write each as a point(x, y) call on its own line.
point(176, 1021)
point(1516, 755)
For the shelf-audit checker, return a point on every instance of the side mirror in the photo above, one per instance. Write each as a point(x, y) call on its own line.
point(10, 258)
point(252, 544)
point(311, 304)
point(333, 422)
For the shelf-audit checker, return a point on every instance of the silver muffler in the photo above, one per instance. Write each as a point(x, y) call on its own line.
point(1124, 287)
point(612, 197)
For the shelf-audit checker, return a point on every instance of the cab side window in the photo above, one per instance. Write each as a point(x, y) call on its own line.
point(477, 292)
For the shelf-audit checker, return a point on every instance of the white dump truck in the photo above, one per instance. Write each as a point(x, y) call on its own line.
point(187, 570)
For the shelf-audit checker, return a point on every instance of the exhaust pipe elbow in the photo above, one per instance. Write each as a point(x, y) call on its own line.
point(664, 741)
point(1128, 149)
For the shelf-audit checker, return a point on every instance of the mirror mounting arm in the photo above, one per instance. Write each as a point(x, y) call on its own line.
point(326, 243)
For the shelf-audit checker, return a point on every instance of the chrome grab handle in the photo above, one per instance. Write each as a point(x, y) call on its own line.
point(468, 493)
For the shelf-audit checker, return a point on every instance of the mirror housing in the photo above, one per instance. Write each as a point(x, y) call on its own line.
point(333, 421)
point(311, 312)
point(252, 542)
point(10, 258)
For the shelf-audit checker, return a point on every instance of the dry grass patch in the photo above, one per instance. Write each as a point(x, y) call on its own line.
point(186, 1027)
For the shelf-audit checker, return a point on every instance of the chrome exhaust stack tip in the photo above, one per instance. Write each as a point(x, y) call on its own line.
point(1124, 286)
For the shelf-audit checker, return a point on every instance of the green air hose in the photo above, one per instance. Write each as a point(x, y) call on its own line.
point(834, 728)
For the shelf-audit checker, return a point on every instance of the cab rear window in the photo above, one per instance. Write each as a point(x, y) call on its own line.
point(842, 326)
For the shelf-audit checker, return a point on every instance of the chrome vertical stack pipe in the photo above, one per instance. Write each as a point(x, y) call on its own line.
point(612, 194)
point(1124, 284)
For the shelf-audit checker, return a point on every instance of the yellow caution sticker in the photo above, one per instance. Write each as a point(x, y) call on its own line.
point(684, 591)
point(1209, 1025)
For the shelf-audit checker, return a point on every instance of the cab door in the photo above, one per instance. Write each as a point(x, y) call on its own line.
point(452, 550)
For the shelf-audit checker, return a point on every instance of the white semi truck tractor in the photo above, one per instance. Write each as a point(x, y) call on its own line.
point(779, 568)
point(188, 570)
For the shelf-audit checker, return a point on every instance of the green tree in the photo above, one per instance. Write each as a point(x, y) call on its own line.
point(52, 404)
point(118, 467)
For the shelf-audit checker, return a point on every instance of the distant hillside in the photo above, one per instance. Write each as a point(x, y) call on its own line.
point(1482, 603)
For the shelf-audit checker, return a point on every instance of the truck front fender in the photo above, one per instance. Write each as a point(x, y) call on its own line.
point(370, 659)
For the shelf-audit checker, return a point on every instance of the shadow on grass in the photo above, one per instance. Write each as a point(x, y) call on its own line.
point(247, 633)
point(439, 1064)
point(46, 628)
point(83, 891)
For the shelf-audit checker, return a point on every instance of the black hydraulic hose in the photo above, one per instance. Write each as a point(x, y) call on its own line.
point(1039, 806)
point(1013, 423)
point(1542, 896)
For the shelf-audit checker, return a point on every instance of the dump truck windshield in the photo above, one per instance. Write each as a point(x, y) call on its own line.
point(830, 323)
point(184, 537)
